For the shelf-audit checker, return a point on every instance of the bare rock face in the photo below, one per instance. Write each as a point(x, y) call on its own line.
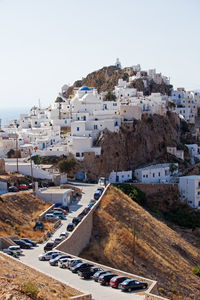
point(138, 144)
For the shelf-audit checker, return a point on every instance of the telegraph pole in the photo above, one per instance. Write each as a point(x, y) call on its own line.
point(17, 153)
point(31, 171)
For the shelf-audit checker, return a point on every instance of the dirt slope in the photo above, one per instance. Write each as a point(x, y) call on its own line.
point(18, 213)
point(161, 253)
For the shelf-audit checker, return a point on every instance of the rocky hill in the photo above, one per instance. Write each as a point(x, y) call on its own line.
point(107, 78)
point(160, 253)
point(136, 144)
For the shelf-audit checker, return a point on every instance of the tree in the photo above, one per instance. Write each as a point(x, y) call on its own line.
point(66, 165)
point(172, 168)
point(10, 153)
point(109, 96)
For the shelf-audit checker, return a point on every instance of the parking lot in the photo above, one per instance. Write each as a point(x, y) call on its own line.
point(30, 257)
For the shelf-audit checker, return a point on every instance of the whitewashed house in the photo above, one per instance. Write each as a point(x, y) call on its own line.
point(189, 188)
point(120, 176)
point(194, 150)
point(159, 173)
point(175, 152)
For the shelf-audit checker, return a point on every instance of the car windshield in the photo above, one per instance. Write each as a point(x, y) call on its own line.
point(127, 281)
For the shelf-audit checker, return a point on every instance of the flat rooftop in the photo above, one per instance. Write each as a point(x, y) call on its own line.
point(191, 177)
point(55, 191)
point(158, 166)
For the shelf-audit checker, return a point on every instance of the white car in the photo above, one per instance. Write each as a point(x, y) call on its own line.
point(64, 234)
point(48, 255)
point(15, 249)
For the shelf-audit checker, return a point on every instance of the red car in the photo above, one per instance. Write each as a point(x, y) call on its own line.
point(23, 187)
point(115, 281)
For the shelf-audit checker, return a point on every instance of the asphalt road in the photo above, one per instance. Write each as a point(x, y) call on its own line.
point(98, 292)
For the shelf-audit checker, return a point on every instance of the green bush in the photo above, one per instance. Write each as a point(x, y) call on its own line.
point(183, 216)
point(196, 270)
point(133, 192)
point(30, 288)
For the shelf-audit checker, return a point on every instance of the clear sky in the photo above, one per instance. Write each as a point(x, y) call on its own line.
point(47, 43)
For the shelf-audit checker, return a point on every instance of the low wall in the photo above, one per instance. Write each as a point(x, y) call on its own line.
point(152, 188)
point(82, 297)
point(41, 216)
point(80, 237)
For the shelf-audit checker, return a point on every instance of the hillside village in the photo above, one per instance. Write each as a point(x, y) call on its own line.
point(116, 156)
point(81, 118)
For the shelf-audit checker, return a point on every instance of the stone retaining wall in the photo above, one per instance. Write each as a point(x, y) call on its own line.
point(82, 297)
point(41, 216)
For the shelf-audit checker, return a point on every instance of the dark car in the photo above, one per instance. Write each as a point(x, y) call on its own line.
point(84, 212)
point(22, 244)
point(49, 246)
point(70, 227)
point(33, 243)
point(13, 189)
point(97, 195)
point(101, 189)
point(115, 281)
point(130, 284)
point(104, 279)
point(75, 221)
point(54, 260)
point(80, 267)
point(88, 273)
point(99, 273)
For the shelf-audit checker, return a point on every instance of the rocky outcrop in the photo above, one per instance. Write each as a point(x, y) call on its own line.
point(135, 145)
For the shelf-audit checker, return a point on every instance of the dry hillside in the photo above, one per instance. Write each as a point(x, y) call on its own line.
point(161, 254)
point(18, 282)
point(18, 213)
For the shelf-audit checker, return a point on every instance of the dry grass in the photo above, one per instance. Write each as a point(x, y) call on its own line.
point(18, 213)
point(25, 283)
point(161, 253)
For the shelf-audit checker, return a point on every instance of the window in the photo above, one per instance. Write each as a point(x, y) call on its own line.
point(146, 176)
point(77, 154)
point(78, 118)
point(153, 174)
point(95, 127)
point(116, 123)
point(82, 154)
point(143, 176)
point(77, 128)
point(159, 174)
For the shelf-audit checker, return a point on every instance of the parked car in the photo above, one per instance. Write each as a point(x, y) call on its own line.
point(49, 246)
point(65, 207)
point(90, 205)
point(75, 220)
point(115, 281)
point(33, 243)
point(104, 279)
point(58, 240)
point(88, 273)
point(84, 212)
point(23, 244)
point(63, 263)
point(72, 262)
point(70, 227)
point(60, 210)
point(64, 234)
point(48, 255)
point(59, 214)
point(97, 195)
point(51, 217)
point(80, 267)
point(23, 187)
point(13, 189)
point(101, 189)
point(54, 261)
point(14, 249)
point(99, 273)
point(130, 284)
point(92, 202)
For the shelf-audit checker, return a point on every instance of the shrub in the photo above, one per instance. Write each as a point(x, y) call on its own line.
point(30, 288)
point(196, 270)
point(133, 192)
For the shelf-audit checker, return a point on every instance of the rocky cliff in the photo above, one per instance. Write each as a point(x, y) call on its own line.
point(135, 145)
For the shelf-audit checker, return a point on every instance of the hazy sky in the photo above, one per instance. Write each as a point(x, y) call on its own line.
point(47, 43)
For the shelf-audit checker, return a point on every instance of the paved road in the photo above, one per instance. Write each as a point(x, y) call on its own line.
point(87, 286)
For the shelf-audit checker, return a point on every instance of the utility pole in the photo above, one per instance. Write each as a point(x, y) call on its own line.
point(134, 242)
point(31, 171)
point(17, 153)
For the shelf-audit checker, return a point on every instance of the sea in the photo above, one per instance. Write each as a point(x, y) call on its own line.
point(8, 114)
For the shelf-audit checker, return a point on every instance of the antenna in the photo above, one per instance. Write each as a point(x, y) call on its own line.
point(0, 124)
point(39, 103)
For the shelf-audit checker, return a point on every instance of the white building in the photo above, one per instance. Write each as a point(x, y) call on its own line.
point(189, 188)
point(194, 150)
point(175, 152)
point(159, 173)
point(120, 176)
point(63, 196)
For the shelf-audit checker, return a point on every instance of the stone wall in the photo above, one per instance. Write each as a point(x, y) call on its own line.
point(153, 188)
point(82, 297)
point(42, 215)
point(80, 237)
